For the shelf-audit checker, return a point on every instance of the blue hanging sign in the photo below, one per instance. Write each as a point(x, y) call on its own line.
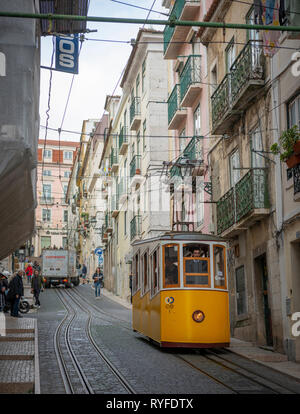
point(66, 59)
point(99, 251)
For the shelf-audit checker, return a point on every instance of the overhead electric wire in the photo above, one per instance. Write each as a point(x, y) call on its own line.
point(139, 7)
point(187, 42)
point(48, 110)
point(264, 6)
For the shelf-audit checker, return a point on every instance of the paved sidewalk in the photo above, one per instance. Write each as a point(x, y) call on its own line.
point(264, 356)
point(19, 362)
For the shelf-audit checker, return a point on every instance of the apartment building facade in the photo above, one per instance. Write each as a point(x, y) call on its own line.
point(188, 119)
point(55, 161)
point(134, 152)
point(243, 177)
point(285, 111)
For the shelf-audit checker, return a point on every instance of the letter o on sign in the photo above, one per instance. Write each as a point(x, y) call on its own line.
point(66, 46)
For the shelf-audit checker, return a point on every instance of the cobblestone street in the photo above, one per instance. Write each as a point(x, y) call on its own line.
point(144, 367)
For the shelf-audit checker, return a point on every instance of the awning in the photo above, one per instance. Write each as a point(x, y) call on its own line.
point(76, 7)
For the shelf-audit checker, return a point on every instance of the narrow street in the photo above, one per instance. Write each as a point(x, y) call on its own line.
point(86, 345)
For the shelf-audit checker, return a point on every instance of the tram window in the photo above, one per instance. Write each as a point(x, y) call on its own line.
point(145, 272)
point(219, 267)
point(171, 265)
point(154, 264)
point(135, 278)
point(196, 250)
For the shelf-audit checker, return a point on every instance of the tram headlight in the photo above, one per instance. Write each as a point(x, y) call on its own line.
point(198, 316)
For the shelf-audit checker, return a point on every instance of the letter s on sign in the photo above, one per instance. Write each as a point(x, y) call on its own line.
point(295, 330)
point(296, 65)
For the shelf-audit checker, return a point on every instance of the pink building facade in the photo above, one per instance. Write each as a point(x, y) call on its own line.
point(188, 119)
point(55, 160)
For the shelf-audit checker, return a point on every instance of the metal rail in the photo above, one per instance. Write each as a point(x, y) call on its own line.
point(62, 363)
point(110, 365)
point(172, 22)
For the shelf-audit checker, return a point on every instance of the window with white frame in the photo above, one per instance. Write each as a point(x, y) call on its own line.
point(234, 165)
point(47, 173)
point(294, 112)
point(65, 216)
point(47, 154)
point(68, 155)
point(67, 174)
point(46, 215)
point(197, 121)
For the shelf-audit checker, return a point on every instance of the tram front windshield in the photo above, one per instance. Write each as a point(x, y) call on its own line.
point(196, 264)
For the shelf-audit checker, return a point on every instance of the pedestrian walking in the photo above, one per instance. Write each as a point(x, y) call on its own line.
point(83, 273)
point(15, 291)
point(3, 290)
point(29, 272)
point(97, 277)
point(37, 285)
point(36, 266)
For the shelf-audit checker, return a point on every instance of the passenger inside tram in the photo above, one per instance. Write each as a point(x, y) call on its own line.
point(171, 273)
point(196, 264)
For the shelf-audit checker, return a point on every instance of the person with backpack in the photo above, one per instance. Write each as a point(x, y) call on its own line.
point(98, 278)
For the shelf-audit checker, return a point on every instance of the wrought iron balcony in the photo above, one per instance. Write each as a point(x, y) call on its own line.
point(103, 232)
point(176, 114)
point(114, 205)
point(135, 166)
point(244, 204)
point(107, 223)
point(114, 160)
point(135, 227)
point(135, 114)
point(238, 87)
point(296, 179)
point(192, 152)
point(190, 86)
point(122, 190)
point(123, 141)
point(173, 36)
point(47, 200)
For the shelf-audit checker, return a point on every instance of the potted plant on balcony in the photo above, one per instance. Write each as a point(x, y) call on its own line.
point(288, 147)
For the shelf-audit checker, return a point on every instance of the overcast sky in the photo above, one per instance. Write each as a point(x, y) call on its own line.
point(100, 67)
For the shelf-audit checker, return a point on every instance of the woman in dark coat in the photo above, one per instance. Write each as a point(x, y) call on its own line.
point(16, 290)
point(3, 289)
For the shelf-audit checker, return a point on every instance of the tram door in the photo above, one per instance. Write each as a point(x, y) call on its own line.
point(261, 261)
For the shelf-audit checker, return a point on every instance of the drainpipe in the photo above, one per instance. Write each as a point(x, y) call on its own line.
point(279, 205)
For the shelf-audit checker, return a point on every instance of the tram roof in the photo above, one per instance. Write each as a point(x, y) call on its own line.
point(182, 236)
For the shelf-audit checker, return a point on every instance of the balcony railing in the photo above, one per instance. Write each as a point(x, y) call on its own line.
point(46, 200)
point(123, 137)
point(135, 112)
point(296, 179)
point(238, 86)
point(135, 166)
point(184, 9)
point(176, 114)
point(135, 227)
point(192, 151)
point(114, 159)
point(250, 193)
point(190, 76)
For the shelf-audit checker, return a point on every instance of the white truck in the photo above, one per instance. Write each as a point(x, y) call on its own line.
point(59, 267)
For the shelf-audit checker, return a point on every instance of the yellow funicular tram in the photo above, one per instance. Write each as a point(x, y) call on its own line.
point(179, 290)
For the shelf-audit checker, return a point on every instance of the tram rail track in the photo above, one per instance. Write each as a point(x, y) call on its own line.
point(63, 365)
point(243, 376)
point(117, 374)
